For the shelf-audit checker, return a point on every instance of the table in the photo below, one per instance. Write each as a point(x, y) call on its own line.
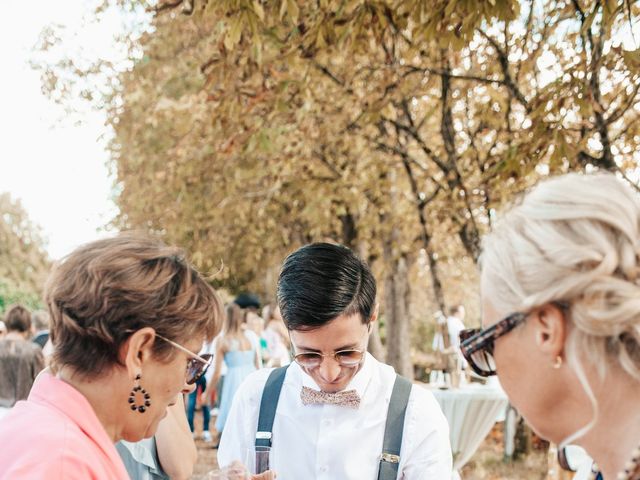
point(471, 411)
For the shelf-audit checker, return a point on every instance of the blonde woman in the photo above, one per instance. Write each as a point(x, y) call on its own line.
point(561, 313)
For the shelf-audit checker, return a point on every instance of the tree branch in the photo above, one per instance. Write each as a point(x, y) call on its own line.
point(423, 146)
point(161, 7)
point(618, 113)
point(503, 59)
point(335, 79)
point(606, 160)
point(413, 69)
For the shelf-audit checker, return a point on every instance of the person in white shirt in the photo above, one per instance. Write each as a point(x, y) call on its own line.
point(331, 414)
point(455, 324)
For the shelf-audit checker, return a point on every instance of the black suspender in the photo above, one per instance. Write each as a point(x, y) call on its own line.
point(390, 458)
point(268, 405)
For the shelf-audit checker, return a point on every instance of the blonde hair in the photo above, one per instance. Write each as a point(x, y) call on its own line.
point(575, 239)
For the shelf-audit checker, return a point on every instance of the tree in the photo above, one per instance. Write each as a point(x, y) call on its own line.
point(396, 127)
point(24, 263)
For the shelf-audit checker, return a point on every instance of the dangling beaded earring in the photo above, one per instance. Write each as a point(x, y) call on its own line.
point(143, 392)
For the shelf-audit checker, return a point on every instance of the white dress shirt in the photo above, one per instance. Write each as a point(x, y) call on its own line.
point(328, 442)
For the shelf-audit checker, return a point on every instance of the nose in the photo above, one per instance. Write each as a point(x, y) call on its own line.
point(187, 389)
point(329, 370)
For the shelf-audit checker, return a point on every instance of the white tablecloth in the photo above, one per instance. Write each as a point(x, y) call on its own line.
point(471, 411)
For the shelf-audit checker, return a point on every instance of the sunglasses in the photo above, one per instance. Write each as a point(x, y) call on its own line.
point(477, 344)
point(198, 364)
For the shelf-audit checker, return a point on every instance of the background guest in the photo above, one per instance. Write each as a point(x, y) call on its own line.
point(201, 387)
point(239, 353)
point(276, 336)
point(40, 322)
point(169, 454)
point(20, 359)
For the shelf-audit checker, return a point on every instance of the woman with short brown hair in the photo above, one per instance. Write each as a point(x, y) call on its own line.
point(128, 315)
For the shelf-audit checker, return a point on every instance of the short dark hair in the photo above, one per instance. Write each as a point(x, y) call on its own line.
point(247, 300)
point(322, 281)
point(455, 309)
point(18, 319)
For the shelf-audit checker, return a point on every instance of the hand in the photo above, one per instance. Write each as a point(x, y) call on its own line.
point(237, 471)
point(268, 475)
point(205, 397)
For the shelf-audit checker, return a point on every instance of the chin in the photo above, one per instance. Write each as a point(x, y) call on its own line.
point(334, 387)
point(331, 388)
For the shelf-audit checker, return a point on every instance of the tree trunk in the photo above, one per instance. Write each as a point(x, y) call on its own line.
point(375, 346)
point(396, 296)
point(349, 229)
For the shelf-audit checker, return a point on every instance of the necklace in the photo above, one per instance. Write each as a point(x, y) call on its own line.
point(631, 468)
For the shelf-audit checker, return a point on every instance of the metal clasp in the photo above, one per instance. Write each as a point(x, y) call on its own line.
point(390, 458)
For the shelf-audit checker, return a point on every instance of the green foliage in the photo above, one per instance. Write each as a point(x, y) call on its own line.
point(10, 296)
point(24, 263)
point(249, 127)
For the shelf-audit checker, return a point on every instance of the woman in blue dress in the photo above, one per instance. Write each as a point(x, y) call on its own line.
point(238, 351)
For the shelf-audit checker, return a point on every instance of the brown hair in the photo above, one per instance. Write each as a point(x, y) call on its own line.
point(234, 317)
point(18, 319)
point(104, 290)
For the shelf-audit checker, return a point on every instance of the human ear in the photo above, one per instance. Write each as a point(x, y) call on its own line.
point(550, 330)
point(374, 315)
point(137, 350)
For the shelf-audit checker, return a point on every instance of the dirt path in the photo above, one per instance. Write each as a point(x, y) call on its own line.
point(207, 455)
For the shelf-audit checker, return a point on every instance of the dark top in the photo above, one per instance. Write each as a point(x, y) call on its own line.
point(20, 362)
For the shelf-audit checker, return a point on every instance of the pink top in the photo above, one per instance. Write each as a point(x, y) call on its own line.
point(56, 435)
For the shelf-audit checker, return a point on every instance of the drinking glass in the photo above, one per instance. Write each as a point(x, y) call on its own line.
point(258, 459)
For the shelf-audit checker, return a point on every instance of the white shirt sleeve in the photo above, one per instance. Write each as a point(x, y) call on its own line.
point(426, 451)
point(242, 422)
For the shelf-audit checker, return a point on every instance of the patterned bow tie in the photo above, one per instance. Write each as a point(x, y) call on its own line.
point(348, 398)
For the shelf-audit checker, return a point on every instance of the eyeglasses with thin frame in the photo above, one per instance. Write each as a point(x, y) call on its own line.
point(345, 358)
point(198, 364)
point(477, 344)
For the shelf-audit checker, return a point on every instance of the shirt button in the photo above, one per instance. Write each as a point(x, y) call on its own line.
point(324, 469)
point(327, 422)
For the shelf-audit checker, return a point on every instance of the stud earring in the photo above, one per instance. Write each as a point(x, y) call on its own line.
point(146, 398)
point(558, 363)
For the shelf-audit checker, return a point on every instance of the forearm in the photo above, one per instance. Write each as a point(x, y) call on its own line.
point(176, 450)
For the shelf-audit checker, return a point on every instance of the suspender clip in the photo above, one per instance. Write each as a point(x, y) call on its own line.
point(263, 435)
point(390, 458)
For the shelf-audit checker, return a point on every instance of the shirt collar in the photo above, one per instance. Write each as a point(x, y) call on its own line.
point(359, 382)
point(58, 394)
